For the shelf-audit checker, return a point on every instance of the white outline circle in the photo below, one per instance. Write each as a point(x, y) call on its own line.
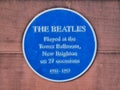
point(94, 40)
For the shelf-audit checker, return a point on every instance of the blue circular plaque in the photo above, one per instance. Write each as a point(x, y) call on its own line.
point(59, 44)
